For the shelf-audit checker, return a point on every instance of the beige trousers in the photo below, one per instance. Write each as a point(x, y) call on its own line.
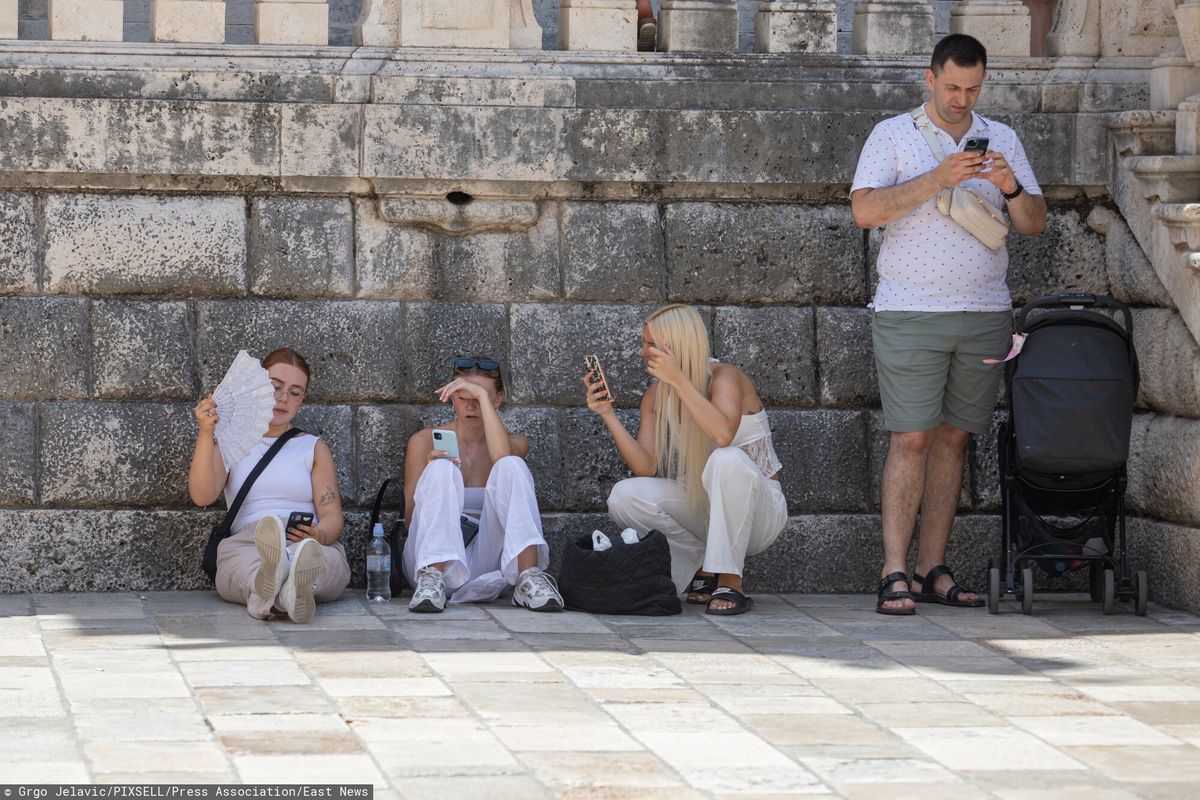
point(237, 564)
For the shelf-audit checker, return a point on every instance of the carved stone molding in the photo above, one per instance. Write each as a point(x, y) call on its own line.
point(459, 214)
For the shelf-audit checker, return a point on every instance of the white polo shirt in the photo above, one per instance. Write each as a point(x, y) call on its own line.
point(928, 262)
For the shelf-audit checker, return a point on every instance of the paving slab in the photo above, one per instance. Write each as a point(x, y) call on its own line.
point(809, 695)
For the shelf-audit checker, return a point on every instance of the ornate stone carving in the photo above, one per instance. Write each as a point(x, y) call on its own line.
point(1076, 29)
point(524, 31)
point(809, 26)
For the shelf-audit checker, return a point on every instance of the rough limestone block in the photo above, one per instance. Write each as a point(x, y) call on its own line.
point(825, 461)
point(1170, 554)
point(774, 347)
point(1131, 278)
point(104, 551)
point(1164, 468)
point(45, 348)
point(1173, 79)
point(437, 333)
point(142, 350)
point(779, 253)
point(301, 247)
point(164, 246)
point(809, 26)
point(455, 23)
point(612, 252)
point(703, 26)
point(187, 21)
point(353, 347)
point(18, 244)
point(597, 25)
point(1067, 257)
point(546, 458)
point(295, 23)
point(892, 27)
point(18, 454)
point(846, 358)
point(1002, 26)
point(548, 342)
point(521, 265)
point(1136, 28)
point(985, 465)
point(319, 140)
point(87, 20)
point(382, 434)
point(392, 262)
point(334, 424)
point(591, 463)
point(115, 454)
point(8, 19)
point(1169, 362)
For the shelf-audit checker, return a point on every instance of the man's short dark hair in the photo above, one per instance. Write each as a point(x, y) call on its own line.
point(963, 50)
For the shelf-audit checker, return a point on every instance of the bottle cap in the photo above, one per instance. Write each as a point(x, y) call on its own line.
point(378, 531)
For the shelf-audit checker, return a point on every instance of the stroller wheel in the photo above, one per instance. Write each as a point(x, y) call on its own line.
point(993, 595)
point(1096, 580)
point(1026, 590)
point(1141, 588)
point(1110, 591)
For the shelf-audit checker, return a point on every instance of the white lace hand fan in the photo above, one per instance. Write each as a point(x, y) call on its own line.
point(245, 401)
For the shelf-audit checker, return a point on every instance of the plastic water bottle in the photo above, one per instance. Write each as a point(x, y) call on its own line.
point(379, 567)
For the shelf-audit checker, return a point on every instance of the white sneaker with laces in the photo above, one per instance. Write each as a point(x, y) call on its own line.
point(296, 596)
point(537, 591)
point(271, 542)
point(430, 594)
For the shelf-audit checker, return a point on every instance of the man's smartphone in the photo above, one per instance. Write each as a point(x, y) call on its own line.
point(976, 144)
point(299, 518)
point(445, 440)
point(592, 363)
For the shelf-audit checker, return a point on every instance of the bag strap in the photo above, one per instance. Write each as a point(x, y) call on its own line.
point(379, 504)
point(921, 120)
point(236, 506)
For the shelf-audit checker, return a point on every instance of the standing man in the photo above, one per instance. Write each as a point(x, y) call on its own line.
point(942, 306)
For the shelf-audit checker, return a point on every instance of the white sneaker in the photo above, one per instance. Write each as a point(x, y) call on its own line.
point(430, 594)
point(296, 596)
point(537, 591)
point(271, 542)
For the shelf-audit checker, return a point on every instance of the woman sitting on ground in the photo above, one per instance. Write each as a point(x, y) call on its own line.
point(486, 494)
point(708, 476)
point(262, 566)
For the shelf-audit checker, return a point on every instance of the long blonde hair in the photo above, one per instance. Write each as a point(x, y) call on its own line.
point(683, 449)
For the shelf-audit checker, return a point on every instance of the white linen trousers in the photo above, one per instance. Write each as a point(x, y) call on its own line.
point(746, 513)
point(510, 522)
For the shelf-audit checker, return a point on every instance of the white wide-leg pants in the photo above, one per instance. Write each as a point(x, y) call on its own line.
point(510, 523)
point(746, 513)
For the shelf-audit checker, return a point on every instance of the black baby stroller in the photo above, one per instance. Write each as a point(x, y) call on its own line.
point(1063, 451)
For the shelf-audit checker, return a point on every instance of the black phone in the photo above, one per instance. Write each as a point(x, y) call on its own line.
point(470, 529)
point(976, 144)
point(300, 518)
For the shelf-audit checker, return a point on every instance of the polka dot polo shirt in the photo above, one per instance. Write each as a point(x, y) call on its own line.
point(928, 262)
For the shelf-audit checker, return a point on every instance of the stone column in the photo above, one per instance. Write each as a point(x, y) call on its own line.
point(1173, 77)
point(187, 21)
point(525, 33)
point(296, 22)
point(378, 24)
point(597, 25)
point(703, 26)
point(1076, 29)
point(892, 27)
point(807, 26)
point(8, 19)
point(1187, 121)
point(1003, 26)
point(87, 20)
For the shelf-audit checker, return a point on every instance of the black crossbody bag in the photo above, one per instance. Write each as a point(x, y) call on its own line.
point(222, 529)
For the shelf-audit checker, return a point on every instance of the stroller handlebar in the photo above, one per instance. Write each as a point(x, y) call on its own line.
point(1077, 300)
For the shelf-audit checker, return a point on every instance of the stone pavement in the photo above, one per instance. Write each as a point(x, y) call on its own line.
point(809, 694)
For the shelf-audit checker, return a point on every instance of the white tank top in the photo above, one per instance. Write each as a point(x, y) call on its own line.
point(283, 487)
point(754, 437)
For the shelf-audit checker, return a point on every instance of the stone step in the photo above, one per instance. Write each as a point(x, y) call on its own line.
point(1143, 133)
point(1167, 178)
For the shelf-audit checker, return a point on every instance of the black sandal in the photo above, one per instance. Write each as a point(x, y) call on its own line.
point(701, 584)
point(886, 593)
point(741, 603)
point(951, 596)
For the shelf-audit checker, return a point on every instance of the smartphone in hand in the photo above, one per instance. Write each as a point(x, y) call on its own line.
point(299, 518)
point(592, 363)
point(446, 440)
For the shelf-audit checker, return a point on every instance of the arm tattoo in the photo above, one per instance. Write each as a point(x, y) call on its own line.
point(328, 497)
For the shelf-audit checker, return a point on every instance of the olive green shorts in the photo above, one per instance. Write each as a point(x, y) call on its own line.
point(931, 370)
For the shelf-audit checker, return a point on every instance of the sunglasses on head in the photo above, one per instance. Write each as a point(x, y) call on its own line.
point(485, 364)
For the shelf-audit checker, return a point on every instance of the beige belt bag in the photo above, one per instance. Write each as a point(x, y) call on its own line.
point(974, 214)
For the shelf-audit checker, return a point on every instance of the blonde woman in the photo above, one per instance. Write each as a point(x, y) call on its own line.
point(707, 472)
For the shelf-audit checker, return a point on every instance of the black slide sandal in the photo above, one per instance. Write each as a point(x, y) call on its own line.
point(741, 603)
point(885, 594)
point(951, 597)
point(701, 584)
